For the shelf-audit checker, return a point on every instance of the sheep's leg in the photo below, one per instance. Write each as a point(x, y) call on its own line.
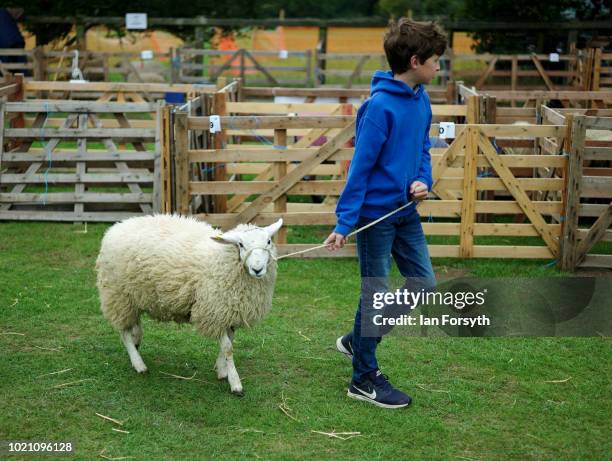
point(221, 363)
point(135, 358)
point(137, 334)
point(232, 374)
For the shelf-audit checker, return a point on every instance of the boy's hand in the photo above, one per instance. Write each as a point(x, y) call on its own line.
point(335, 241)
point(418, 191)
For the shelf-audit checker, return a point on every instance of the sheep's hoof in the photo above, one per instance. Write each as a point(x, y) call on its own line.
point(238, 393)
point(141, 369)
point(221, 377)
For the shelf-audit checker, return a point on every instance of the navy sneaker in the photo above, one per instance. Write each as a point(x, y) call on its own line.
point(376, 389)
point(344, 344)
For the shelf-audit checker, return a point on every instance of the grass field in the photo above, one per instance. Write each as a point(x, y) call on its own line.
point(474, 399)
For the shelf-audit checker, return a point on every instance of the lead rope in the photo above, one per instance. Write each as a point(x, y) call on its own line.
point(355, 232)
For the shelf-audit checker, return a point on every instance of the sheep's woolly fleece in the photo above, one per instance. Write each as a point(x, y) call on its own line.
point(170, 268)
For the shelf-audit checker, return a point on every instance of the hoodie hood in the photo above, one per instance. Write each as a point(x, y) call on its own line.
point(384, 82)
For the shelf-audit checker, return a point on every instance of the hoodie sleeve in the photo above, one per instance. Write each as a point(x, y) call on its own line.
point(425, 169)
point(368, 144)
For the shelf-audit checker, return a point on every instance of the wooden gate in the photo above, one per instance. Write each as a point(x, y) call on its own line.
point(581, 235)
point(72, 164)
point(473, 162)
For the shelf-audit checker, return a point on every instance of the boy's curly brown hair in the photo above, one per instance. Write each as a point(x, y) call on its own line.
point(406, 38)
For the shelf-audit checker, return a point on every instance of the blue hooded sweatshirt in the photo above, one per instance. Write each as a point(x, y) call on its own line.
point(391, 152)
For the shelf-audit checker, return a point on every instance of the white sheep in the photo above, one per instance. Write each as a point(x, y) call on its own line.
point(180, 269)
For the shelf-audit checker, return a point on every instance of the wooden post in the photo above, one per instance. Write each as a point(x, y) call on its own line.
point(2, 104)
point(322, 49)
point(468, 202)
point(166, 164)
point(242, 64)
point(199, 43)
point(173, 52)
point(514, 76)
point(596, 70)
point(490, 113)
point(219, 141)
point(473, 110)
point(40, 64)
point(573, 190)
point(181, 163)
point(19, 120)
point(157, 162)
point(280, 171)
point(81, 169)
point(308, 69)
point(450, 92)
point(106, 68)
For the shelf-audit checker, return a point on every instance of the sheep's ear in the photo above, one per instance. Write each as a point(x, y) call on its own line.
point(273, 228)
point(228, 237)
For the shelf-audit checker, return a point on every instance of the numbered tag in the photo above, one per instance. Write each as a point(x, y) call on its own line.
point(283, 54)
point(146, 54)
point(447, 130)
point(553, 57)
point(215, 123)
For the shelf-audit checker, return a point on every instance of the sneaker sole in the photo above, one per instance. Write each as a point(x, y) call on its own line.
point(340, 348)
point(374, 402)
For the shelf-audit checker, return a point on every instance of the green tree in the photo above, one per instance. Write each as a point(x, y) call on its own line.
point(520, 11)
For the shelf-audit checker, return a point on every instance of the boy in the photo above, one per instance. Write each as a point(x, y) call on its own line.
point(391, 166)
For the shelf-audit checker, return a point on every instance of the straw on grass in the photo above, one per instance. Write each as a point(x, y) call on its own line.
point(339, 435)
point(56, 372)
point(285, 408)
point(108, 418)
point(72, 382)
point(559, 380)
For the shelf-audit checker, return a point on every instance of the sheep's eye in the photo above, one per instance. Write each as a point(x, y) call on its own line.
point(269, 242)
point(240, 245)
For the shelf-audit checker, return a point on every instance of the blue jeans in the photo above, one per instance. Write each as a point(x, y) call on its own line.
point(404, 239)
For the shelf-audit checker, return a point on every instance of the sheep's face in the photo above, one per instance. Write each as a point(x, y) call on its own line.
point(255, 246)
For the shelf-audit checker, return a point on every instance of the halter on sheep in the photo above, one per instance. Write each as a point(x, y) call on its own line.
point(254, 246)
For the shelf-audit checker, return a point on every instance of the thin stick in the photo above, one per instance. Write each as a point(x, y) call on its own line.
point(72, 382)
point(285, 408)
point(119, 430)
point(55, 372)
point(282, 408)
point(339, 435)
point(47, 349)
point(179, 377)
point(303, 336)
point(108, 418)
point(432, 390)
point(12, 333)
point(559, 380)
point(102, 455)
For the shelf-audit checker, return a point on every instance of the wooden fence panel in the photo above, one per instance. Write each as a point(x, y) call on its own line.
point(280, 67)
point(80, 171)
point(588, 213)
point(475, 142)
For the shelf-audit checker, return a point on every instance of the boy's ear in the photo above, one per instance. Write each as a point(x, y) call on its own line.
point(414, 61)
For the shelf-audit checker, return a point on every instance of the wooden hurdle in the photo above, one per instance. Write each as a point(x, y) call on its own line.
point(80, 170)
point(454, 196)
